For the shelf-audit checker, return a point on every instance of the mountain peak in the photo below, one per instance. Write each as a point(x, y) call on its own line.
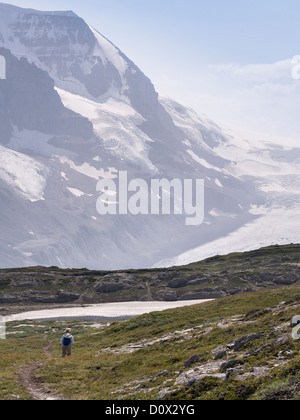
point(77, 57)
point(9, 8)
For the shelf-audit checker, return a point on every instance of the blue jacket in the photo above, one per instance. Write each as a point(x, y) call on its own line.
point(67, 336)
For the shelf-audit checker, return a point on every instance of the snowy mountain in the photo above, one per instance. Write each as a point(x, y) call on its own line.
point(74, 110)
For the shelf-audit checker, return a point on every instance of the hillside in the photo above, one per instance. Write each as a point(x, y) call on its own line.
point(217, 277)
point(234, 348)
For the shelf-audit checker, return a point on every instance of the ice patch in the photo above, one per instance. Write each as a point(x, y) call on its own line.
point(218, 183)
point(116, 123)
point(88, 170)
point(24, 174)
point(75, 192)
point(64, 176)
point(202, 161)
point(266, 230)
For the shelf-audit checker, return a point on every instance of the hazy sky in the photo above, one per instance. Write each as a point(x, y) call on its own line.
point(229, 59)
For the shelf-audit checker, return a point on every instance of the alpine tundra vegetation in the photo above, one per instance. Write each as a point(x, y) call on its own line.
point(237, 347)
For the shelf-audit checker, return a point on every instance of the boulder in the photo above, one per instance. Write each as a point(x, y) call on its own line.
point(170, 297)
point(221, 355)
point(229, 365)
point(191, 361)
point(236, 345)
point(177, 283)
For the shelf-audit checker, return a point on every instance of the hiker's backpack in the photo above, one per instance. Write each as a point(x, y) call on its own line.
point(67, 341)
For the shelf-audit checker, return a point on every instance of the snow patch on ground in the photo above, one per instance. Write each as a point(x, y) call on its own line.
point(105, 310)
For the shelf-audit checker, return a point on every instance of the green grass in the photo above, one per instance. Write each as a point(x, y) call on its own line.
point(15, 353)
point(98, 370)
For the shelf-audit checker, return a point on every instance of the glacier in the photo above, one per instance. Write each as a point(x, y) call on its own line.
point(74, 110)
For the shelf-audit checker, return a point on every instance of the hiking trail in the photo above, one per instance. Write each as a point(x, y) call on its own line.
point(32, 384)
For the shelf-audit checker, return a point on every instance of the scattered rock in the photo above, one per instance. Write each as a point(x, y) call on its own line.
point(192, 361)
point(219, 350)
point(221, 355)
point(164, 373)
point(241, 342)
point(233, 372)
point(195, 375)
point(254, 373)
point(283, 338)
point(229, 365)
point(256, 313)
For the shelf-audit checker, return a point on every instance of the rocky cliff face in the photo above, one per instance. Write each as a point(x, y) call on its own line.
point(28, 101)
point(231, 275)
point(79, 58)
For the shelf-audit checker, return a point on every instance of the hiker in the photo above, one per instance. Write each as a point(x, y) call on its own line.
point(66, 343)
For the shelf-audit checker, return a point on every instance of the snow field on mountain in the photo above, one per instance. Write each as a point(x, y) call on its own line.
point(271, 228)
point(24, 174)
point(108, 52)
point(116, 123)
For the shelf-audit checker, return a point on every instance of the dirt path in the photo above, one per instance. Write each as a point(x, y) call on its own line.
point(32, 384)
point(149, 291)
